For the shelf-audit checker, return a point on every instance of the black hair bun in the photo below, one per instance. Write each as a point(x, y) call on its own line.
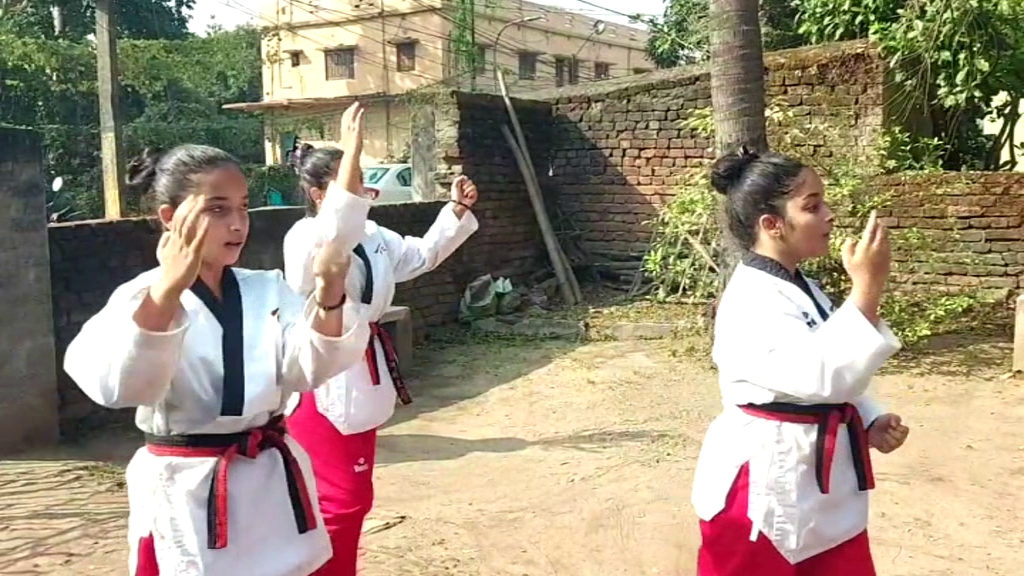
point(728, 170)
point(142, 172)
point(299, 156)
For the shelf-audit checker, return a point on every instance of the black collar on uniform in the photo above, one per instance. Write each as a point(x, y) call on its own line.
point(773, 267)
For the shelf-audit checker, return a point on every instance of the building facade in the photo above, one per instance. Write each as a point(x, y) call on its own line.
point(320, 55)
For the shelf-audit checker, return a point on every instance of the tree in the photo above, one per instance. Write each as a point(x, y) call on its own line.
point(737, 76)
point(737, 91)
point(681, 35)
point(76, 19)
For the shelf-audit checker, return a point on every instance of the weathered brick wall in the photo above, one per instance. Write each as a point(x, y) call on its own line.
point(972, 225)
point(90, 259)
point(621, 146)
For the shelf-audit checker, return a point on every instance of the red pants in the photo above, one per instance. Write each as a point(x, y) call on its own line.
point(726, 549)
point(343, 466)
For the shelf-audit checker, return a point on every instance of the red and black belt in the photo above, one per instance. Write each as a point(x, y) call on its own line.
point(226, 447)
point(379, 334)
point(828, 417)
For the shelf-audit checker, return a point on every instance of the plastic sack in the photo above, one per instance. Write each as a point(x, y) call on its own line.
point(509, 300)
point(479, 299)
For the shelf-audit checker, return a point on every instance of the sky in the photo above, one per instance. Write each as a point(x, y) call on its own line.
point(231, 13)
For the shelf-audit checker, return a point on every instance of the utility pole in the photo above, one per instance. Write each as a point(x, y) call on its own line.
point(110, 108)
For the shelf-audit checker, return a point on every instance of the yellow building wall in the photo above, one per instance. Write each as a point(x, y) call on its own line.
point(374, 27)
point(388, 131)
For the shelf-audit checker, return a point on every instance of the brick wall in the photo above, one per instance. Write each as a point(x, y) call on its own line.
point(972, 223)
point(28, 388)
point(620, 147)
point(90, 259)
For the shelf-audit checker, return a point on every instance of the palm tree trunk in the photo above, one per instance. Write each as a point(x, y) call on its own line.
point(737, 92)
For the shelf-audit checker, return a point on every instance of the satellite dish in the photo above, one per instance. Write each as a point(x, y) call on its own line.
point(599, 27)
point(58, 183)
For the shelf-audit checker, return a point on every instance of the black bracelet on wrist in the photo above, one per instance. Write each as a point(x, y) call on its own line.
point(330, 308)
point(463, 204)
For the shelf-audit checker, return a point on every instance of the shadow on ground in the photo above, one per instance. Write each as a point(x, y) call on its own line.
point(404, 448)
point(956, 356)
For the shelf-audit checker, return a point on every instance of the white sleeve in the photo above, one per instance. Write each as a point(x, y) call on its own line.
point(119, 365)
point(412, 257)
point(869, 409)
point(300, 247)
point(310, 358)
point(832, 364)
point(341, 220)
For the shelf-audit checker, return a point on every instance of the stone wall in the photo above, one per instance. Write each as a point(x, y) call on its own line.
point(620, 147)
point(972, 223)
point(90, 259)
point(28, 388)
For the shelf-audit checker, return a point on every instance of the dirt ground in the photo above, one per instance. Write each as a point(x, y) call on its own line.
point(576, 459)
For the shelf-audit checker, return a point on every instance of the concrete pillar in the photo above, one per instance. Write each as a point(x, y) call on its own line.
point(28, 381)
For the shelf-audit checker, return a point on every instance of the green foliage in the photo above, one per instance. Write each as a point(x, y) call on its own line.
point(954, 61)
point(173, 91)
point(687, 237)
point(265, 179)
point(964, 58)
point(681, 35)
point(136, 19)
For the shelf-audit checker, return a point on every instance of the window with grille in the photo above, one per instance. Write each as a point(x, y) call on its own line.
point(406, 56)
point(574, 71)
point(602, 70)
point(561, 71)
point(340, 64)
point(527, 66)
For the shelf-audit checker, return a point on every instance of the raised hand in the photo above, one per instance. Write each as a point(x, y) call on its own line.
point(180, 251)
point(869, 259)
point(352, 129)
point(464, 192)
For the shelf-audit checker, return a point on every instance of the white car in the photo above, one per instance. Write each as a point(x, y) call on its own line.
point(389, 183)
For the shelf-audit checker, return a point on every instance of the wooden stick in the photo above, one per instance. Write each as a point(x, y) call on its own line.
point(545, 226)
point(530, 175)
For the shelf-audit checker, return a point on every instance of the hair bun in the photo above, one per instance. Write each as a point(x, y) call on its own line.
point(142, 171)
point(728, 170)
point(299, 155)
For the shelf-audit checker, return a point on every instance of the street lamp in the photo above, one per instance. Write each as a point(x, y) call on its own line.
point(497, 37)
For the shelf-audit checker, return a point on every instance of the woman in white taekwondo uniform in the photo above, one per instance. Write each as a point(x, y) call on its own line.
point(337, 424)
point(781, 485)
point(209, 354)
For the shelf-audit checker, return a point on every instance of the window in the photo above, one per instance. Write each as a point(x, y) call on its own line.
point(374, 174)
point(561, 71)
point(404, 177)
point(340, 64)
point(480, 60)
point(527, 66)
point(405, 56)
point(295, 57)
point(602, 70)
point(574, 71)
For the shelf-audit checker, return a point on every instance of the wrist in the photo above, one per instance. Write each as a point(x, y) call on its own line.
point(329, 295)
point(164, 294)
point(460, 208)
